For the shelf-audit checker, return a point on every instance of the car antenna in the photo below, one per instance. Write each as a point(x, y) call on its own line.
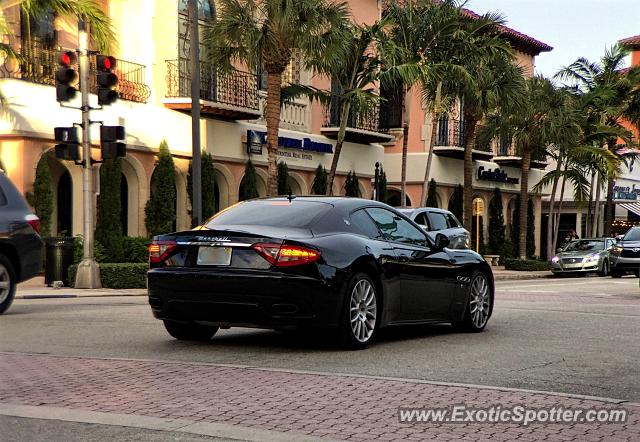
point(291, 197)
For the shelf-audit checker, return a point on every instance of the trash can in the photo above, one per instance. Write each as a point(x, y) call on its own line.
point(58, 259)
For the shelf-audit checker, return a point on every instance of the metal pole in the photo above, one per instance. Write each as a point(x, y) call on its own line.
point(88, 274)
point(376, 182)
point(196, 165)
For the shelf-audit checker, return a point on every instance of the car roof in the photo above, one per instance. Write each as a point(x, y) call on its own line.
point(344, 202)
point(407, 210)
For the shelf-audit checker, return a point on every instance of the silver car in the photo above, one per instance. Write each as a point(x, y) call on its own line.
point(434, 221)
point(584, 256)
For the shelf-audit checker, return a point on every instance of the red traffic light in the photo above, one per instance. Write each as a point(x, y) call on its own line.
point(67, 58)
point(105, 63)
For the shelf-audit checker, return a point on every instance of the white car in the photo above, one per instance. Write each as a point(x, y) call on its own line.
point(434, 221)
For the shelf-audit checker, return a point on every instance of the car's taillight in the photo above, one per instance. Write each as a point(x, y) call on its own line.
point(160, 250)
point(286, 255)
point(33, 221)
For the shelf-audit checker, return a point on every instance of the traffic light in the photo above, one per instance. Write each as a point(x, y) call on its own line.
point(107, 79)
point(112, 142)
point(69, 147)
point(65, 76)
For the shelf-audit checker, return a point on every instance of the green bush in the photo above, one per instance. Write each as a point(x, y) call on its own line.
point(134, 249)
point(119, 276)
point(42, 196)
point(160, 211)
point(248, 185)
point(351, 185)
point(456, 202)
point(432, 199)
point(527, 265)
point(98, 251)
point(319, 186)
point(283, 179)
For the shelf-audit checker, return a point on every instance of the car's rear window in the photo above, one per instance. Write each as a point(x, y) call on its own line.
point(277, 213)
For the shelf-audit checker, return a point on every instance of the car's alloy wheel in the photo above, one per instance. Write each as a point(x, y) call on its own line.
point(478, 308)
point(360, 319)
point(363, 310)
point(7, 284)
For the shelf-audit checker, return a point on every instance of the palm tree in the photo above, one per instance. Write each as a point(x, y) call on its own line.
point(101, 30)
point(265, 33)
point(609, 94)
point(352, 95)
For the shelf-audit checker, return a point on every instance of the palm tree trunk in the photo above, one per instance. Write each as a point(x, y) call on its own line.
point(608, 207)
point(344, 118)
point(405, 147)
point(469, 140)
point(524, 199)
point(551, 220)
point(589, 222)
point(427, 170)
point(274, 84)
point(596, 215)
point(557, 220)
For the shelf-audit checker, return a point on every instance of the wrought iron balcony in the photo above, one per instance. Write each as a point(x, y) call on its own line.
point(232, 96)
point(449, 141)
point(507, 154)
point(362, 127)
point(38, 64)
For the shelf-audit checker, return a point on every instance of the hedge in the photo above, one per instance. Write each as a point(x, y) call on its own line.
point(527, 265)
point(119, 275)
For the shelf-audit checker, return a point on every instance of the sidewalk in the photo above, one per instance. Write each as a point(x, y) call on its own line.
point(35, 288)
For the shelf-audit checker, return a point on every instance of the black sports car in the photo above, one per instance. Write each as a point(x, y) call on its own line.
point(352, 264)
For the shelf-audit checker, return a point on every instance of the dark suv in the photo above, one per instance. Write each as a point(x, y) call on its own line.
point(625, 254)
point(20, 244)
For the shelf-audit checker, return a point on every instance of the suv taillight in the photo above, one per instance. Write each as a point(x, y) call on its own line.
point(33, 221)
point(286, 255)
point(160, 250)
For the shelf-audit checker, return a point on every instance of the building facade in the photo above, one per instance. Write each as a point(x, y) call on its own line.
point(154, 85)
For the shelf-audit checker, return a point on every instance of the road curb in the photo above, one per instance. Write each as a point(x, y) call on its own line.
point(524, 276)
point(232, 432)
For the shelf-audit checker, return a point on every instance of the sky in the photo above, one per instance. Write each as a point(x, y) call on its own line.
point(575, 28)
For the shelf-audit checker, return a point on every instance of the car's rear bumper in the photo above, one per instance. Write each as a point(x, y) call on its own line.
point(29, 248)
point(247, 298)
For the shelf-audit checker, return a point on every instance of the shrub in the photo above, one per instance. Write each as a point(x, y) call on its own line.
point(527, 265)
point(42, 196)
point(134, 249)
point(496, 224)
point(98, 251)
point(119, 275)
point(351, 186)
point(248, 186)
point(432, 200)
point(108, 221)
point(208, 182)
point(283, 179)
point(319, 186)
point(160, 211)
point(456, 203)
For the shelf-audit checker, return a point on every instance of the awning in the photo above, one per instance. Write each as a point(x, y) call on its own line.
point(631, 207)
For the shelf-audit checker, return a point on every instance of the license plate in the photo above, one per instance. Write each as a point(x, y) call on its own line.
point(214, 256)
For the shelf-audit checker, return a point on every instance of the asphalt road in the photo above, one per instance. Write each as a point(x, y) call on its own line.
point(574, 335)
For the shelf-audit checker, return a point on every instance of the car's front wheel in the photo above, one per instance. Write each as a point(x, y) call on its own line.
point(478, 308)
point(615, 273)
point(189, 331)
point(7, 284)
point(360, 319)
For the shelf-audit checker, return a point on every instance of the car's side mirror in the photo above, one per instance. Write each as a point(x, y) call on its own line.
point(441, 241)
point(559, 250)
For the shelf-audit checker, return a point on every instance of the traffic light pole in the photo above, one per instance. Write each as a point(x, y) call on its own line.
point(88, 274)
point(196, 168)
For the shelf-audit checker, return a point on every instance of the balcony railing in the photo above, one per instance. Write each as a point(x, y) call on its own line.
point(367, 121)
point(238, 89)
point(39, 64)
point(449, 133)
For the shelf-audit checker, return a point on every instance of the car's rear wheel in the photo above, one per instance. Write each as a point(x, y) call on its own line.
point(7, 284)
point(360, 319)
point(189, 331)
point(478, 307)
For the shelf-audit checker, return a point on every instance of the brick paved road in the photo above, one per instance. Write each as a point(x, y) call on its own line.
point(332, 406)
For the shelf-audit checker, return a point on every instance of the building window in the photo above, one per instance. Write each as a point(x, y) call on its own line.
point(391, 107)
point(206, 13)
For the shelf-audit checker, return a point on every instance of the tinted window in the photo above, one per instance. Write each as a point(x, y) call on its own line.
point(437, 221)
point(3, 198)
point(452, 221)
point(277, 213)
point(396, 228)
point(364, 225)
point(584, 245)
point(632, 235)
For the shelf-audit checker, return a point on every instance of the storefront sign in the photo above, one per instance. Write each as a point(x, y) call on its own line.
point(256, 139)
point(496, 175)
point(626, 193)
